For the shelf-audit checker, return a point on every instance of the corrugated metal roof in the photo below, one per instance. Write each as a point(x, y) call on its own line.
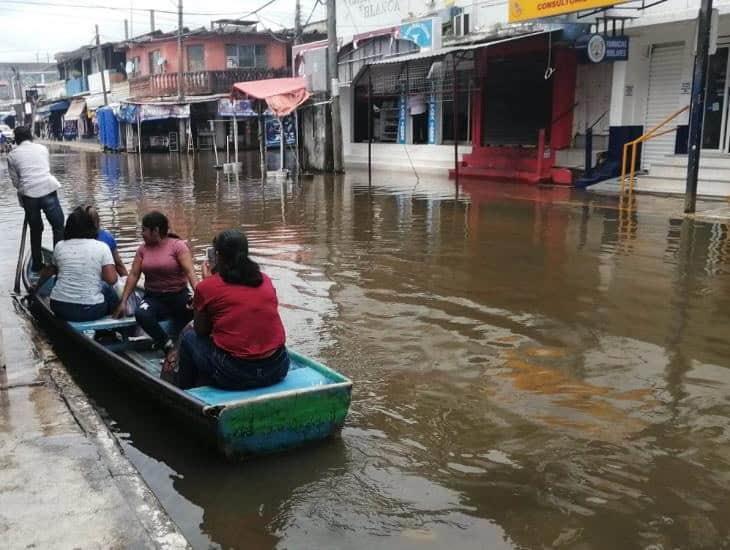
point(454, 49)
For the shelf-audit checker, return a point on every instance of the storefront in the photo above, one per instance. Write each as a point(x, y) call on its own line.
point(49, 119)
point(510, 102)
point(656, 83)
point(75, 122)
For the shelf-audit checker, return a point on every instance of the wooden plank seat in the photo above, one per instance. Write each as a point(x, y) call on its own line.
point(105, 323)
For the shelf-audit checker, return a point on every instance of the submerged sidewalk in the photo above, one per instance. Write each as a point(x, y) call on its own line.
point(655, 186)
point(92, 146)
point(64, 479)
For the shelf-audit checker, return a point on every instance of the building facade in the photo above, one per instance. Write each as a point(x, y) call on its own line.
point(656, 82)
point(213, 59)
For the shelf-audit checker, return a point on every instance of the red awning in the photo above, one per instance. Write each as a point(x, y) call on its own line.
point(282, 95)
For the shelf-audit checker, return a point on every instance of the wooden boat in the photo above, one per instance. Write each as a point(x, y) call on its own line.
point(310, 404)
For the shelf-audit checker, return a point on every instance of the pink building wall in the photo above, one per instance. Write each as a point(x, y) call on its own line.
point(214, 51)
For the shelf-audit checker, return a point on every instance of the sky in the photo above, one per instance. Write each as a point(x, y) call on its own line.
point(34, 30)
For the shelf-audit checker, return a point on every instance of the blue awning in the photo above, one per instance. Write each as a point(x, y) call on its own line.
point(53, 107)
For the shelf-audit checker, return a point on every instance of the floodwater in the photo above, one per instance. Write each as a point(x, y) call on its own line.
point(532, 367)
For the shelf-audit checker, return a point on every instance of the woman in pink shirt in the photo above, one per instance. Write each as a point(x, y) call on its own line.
point(168, 268)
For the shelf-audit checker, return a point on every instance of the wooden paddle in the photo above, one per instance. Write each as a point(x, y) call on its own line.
point(21, 255)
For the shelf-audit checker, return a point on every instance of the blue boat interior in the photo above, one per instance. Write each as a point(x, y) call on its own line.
point(123, 337)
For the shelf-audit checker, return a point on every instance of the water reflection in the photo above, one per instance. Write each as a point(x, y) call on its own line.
point(533, 367)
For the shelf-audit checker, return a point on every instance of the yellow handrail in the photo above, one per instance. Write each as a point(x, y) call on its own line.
point(641, 139)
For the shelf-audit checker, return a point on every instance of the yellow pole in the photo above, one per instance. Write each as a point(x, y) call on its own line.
point(623, 166)
point(633, 167)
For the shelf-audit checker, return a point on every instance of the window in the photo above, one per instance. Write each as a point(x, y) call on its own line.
point(155, 62)
point(247, 56)
point(133, 66)
point(196, 58)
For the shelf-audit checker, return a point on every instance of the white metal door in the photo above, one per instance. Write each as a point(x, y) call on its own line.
point(665, 75)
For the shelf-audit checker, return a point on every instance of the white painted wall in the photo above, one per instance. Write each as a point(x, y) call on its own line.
point(361, 16)
point(593, 97)
point(670, 11)
point(630, 84)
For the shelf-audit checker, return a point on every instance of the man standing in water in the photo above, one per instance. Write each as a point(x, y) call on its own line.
point(30, 172)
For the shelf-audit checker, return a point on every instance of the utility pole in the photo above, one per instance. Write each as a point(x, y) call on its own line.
point(100, 62)
point(298, 23)
point(333, 73)
point(180, 90)
point(697, 109)
point(126, 29)
point(152, 20)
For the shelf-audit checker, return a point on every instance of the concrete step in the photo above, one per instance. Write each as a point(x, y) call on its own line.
point(707, 160)
point(574, 158)
point(709, 187)
point(679, 171)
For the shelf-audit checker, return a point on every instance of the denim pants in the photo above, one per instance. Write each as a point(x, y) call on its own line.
point(54, 214)
point(201, 362)
point(161, 306)
point(70, 311)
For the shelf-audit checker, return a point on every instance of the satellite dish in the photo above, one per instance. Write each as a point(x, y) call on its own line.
point(129, 67)
point(161, 61)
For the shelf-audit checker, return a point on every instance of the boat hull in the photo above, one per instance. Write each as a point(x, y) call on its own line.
point(252, 423)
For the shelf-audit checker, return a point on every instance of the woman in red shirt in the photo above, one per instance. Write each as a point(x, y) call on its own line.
point(238, 340)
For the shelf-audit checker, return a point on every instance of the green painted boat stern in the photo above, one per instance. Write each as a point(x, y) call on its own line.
point(309, 405)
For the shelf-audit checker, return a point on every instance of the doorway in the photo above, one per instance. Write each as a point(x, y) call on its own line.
point(714, 133)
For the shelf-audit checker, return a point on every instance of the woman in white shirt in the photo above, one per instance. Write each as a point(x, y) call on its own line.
point(85, 272)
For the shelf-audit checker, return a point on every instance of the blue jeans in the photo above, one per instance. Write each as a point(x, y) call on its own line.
point(160, 306)
point(70, 311)
point(201, 362)
point(54, 214)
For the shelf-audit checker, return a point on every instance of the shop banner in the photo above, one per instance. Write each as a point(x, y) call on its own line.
point(432, 119)
point(597, 48)
point(402, 115)
point(161, 112)
point(238, 107)
point(426, 33)
point(525, 10)
point(273, 134)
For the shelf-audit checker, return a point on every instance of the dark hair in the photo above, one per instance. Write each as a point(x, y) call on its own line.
point(22, 133)
point(234, 265)
point(94, 215)
point(156, 220)
point(79, 225)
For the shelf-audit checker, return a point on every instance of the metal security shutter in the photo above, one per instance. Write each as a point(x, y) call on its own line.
point(665, 75)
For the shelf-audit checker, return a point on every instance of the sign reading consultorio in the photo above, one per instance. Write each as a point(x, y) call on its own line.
point(524, 10)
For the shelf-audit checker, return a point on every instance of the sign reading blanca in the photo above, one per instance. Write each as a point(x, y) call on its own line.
point(374, 8)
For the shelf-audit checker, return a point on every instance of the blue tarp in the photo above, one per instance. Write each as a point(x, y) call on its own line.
point(53, 107)
point(108, 128)
point(127, 113)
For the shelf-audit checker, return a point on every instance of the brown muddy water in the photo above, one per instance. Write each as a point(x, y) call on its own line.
point(532, 367)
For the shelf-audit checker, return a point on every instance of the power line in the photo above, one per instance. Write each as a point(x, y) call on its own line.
point(114, 8)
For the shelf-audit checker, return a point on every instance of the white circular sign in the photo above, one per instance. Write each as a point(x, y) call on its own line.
point(596, 49)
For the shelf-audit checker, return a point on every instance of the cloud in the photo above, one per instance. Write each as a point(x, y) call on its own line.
point(31, 32)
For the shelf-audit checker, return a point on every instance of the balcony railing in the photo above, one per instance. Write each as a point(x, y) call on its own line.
point(198, 82)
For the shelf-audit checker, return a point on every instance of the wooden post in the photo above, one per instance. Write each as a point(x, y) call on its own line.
point(281, 144)
point(102, 64)
point(180, 61)
point(697, 112)
point(370, 129)
point(334, 85)
point(455, 113)
point(262, 145)
point(235, 138)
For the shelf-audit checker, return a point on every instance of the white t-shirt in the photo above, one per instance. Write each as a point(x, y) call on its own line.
point(79, 263)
